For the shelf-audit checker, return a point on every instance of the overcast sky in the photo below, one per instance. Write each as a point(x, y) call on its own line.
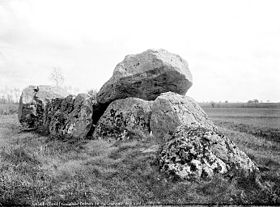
point(232, 47)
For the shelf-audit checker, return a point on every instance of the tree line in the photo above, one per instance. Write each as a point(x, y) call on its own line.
point(12, 95)
point(8, 96)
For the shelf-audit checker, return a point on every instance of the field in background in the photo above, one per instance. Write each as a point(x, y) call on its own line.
point(36, 169)
point(257, 117)
point(239, 105)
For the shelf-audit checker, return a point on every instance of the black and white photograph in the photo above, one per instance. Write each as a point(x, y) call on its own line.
point(139, 103)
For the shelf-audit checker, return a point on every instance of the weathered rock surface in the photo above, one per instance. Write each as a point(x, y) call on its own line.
point(70, 117)
point(194, 152)
point(124, 119)
point(146, 76)
point(171, 110)
point(32, 104)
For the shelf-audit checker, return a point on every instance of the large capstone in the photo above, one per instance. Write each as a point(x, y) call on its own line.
point(70, 117)
point(32, 104)
point(125, 119)
point(194, 152)
point(171, 110)
point(146, 76)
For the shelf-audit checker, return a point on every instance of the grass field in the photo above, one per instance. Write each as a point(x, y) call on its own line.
point(36, 169)
point(261, 122)
point(6, 109)
point(258, 117)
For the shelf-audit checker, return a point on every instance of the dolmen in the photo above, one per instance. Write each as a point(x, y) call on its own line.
point(144, 98)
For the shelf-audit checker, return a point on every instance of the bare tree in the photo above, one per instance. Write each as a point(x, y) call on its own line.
point(57, 77)
point(16, 94)
point(10, 98)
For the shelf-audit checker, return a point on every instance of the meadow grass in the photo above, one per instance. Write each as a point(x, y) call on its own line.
point(36, 169)
point(254, 117)
point(7, 109)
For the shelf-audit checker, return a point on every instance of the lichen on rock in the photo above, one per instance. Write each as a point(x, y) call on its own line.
point(124, 119)
point(194, 152)
point(32, 104)
point(70, 117)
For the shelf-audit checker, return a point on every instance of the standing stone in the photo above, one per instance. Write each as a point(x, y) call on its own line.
point(32, 104)
point(146, 76)
point(171, 110)
point(70, 117)
point(80, 119)
point(124, 119)
point(194, 152)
